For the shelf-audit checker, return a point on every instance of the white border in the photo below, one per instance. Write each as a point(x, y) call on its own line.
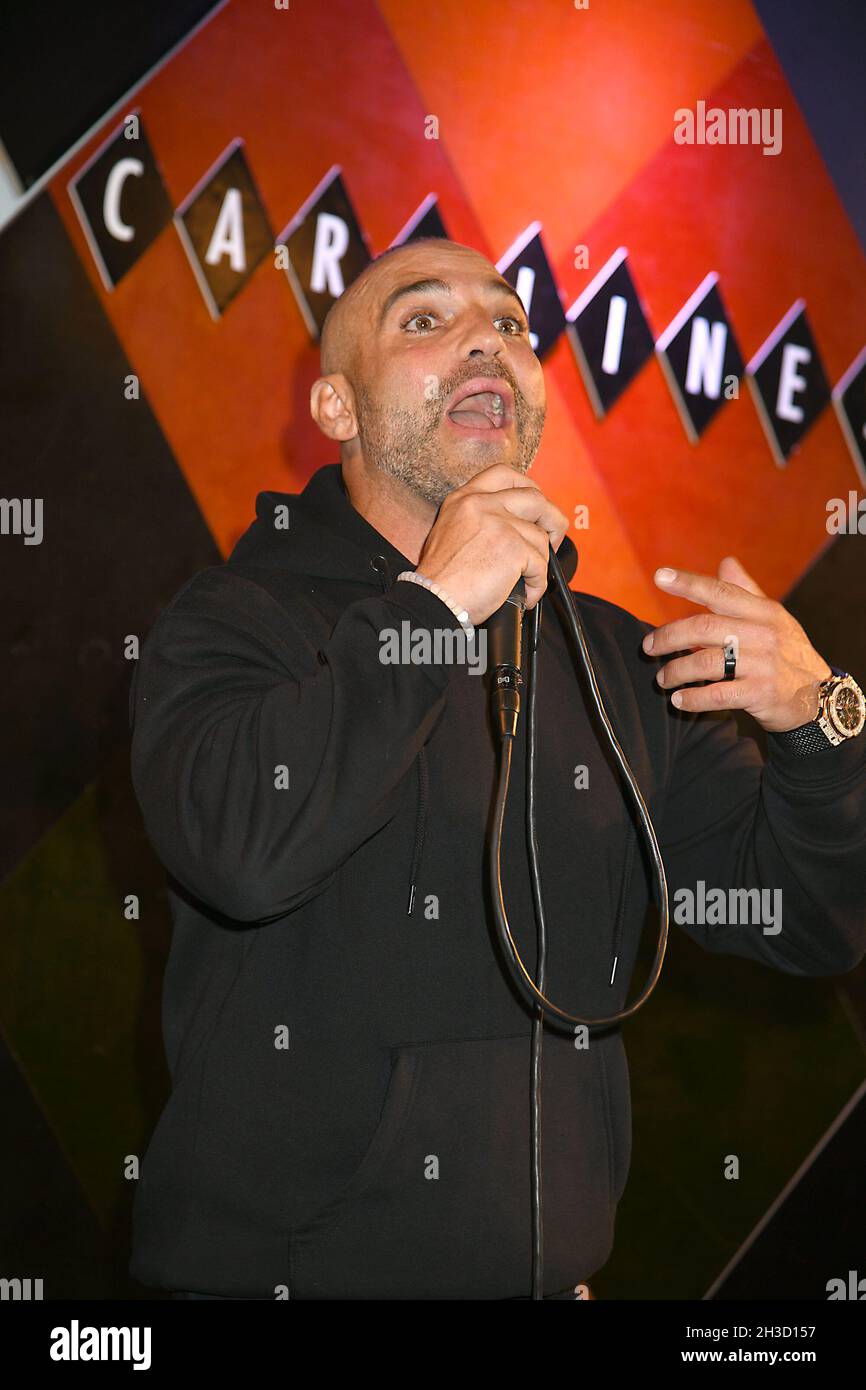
point(857, 451)
point(177, 217)
point(758, 358)
point(507, 259)
point(72, 190)
point(600, 278)
point(408, 227)
point(324, 182)
point(664, 341)
point(766, 423)
point(849, 374)
point(587, 294)
point(682, 317)
point(598, 409)
point(11, 187)
point(282, 240)
point(778, 332)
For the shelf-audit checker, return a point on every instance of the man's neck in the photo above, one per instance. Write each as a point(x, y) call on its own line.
point(399, 515)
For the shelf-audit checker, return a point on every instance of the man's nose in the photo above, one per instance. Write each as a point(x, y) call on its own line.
point(479, 337)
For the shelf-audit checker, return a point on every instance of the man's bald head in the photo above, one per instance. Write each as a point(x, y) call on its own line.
point(350, 316)
point(419, 322)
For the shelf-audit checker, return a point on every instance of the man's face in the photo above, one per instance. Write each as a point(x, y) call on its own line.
point(421, 348)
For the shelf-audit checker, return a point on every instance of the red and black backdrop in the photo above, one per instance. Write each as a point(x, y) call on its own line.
point(157, 359)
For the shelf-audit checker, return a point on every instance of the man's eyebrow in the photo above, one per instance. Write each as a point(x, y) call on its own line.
point(430, 285)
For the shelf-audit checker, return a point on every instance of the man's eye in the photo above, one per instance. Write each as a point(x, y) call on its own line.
point(420, 314)
point(423, 314)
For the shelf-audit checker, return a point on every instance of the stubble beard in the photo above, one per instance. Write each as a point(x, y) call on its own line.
point(407, 445)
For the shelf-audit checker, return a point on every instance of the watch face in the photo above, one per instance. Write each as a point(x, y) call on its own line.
point(846, 710)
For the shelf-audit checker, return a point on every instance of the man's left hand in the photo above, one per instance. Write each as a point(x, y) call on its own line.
point(778, 670)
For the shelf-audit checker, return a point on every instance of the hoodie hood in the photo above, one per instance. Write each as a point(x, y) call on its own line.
point(329, 538)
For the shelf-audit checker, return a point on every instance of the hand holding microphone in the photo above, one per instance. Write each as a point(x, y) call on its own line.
point(488, 535)
point(489, 548)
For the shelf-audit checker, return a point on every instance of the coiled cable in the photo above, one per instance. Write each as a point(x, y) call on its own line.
point(531, 989)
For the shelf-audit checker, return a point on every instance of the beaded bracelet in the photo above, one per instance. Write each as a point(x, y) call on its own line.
point(461, 614)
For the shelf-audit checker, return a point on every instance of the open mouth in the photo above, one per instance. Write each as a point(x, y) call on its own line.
point(481, 410)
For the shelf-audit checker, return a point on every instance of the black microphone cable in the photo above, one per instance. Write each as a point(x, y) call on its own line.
point(537, 1194)
point(533, 990)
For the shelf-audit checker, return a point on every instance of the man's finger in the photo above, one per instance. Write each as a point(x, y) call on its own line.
point(719, 595)
point(731, 570)
point(495, 478)
point(698, 699)
point(535, 574)
point(702, 630)
point(534, 506)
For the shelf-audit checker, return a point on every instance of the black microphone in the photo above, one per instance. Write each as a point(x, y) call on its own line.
point(504, 628)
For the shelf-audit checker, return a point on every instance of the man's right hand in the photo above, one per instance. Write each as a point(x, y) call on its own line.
point(489, 533)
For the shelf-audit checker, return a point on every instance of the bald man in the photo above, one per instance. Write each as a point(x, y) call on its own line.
point(313, 756)
point(416, 419)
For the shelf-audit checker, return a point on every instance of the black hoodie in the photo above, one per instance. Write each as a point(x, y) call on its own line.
point(349, 1115)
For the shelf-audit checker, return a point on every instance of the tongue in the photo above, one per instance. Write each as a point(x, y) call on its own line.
point(471, 419)
point(474, 411)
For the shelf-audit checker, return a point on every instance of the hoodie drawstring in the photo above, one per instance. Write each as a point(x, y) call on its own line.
point(380, 565)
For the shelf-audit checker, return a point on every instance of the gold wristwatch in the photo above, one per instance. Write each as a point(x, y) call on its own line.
point(841, 715)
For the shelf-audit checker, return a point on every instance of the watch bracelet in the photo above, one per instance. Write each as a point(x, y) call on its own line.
point(807, 738)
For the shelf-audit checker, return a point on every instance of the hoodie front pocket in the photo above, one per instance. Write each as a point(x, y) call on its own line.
point(395, 1109)
point(440, 1205)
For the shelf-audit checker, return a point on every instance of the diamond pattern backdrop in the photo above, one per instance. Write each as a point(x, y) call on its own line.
point(154, 391)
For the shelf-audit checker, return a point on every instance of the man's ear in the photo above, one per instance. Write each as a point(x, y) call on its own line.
point(332, 406)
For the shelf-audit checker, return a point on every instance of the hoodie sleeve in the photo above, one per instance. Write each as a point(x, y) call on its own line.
point(794, 828)
point(261, 756)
